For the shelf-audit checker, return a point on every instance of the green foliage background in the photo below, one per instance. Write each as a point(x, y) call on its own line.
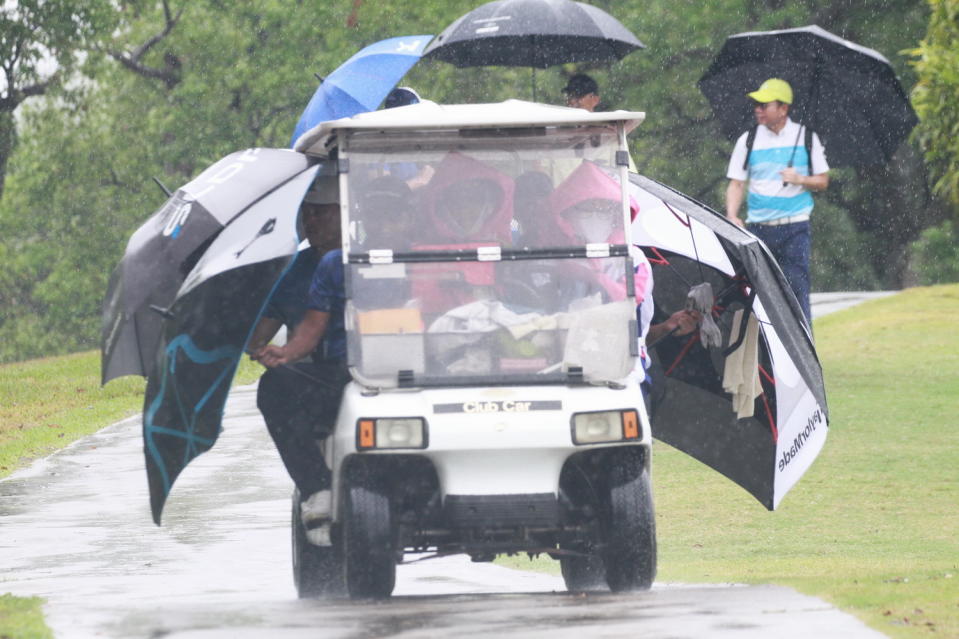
point(936, 100)
point(164, 88)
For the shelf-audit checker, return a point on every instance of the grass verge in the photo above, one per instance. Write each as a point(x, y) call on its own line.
point(44, 405)
point(872, 527)
point(47, 403)
point(21, 618)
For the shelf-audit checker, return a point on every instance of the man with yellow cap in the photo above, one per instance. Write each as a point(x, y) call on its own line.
point(782, 163)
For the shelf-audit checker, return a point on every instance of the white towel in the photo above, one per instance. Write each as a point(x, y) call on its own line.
point(741, 373)
point(700, 299)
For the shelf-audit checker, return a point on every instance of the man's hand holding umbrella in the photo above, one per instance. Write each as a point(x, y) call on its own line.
point(682, 322)
point(306, 337)
point(809, 182)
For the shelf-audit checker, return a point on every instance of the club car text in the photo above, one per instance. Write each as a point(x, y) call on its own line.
point(505, 406)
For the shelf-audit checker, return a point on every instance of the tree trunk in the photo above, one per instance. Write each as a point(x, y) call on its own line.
point(8, 139)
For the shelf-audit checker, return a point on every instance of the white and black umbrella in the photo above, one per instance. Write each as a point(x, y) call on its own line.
point(206, 328)
point(845, 92)
point(532, 33)
point(167, 246)
point(767, 443)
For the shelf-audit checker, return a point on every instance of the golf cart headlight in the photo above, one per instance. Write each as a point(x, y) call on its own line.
point(391, 432)
point(606, 426)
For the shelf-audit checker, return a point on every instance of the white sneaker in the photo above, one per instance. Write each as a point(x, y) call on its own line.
point(316, 508)
point(320, 536)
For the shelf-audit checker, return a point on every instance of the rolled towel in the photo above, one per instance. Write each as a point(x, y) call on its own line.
point(700, 299)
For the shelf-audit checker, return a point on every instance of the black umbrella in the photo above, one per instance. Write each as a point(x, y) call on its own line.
point(767, 449)
point(532, 33)
point(206, 329)
point(162, 251)
point(845, 92)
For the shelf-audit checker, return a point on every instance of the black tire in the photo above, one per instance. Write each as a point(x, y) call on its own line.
point(583, 573)
point(369, 554)
point(317, 570)
point(630, 554)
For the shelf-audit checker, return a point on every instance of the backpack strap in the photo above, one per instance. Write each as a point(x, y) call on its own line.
point(750, 139)
point(809, 148)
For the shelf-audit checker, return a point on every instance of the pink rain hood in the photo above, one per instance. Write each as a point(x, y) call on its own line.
point(589, 182)
point(456, 168)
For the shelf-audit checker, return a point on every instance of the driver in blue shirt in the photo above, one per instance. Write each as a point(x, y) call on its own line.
point(300, 399)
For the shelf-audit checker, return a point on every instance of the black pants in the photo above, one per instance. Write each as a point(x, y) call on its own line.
point(299, 403)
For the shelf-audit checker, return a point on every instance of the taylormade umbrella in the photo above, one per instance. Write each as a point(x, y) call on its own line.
point(361, 83)
point(532, 33)
point(206, 329)
point(162, 251)
point(847, 93)
point(764, 429)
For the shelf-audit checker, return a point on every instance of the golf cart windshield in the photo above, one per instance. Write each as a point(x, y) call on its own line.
point(484, 256)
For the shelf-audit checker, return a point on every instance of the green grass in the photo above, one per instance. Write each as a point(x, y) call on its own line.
point(873, 526)
point(44, 405)
point(47, 403)
point(22, 618)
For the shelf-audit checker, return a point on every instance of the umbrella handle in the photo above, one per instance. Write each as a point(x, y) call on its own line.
point(165, 313)
point(662, 337)
point(312, 378)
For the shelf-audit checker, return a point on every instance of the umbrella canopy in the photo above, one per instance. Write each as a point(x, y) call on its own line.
point(532, 33)
point(162, 251)
point(361, 83)
point(845, 92)
point(766, 448)
point(206, 329)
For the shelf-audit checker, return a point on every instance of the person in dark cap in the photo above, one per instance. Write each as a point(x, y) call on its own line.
point(299, 401)
point(582, 92)
point(401, 96)
point(409, 171)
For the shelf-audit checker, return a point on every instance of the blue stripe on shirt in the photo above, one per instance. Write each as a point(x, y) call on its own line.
point(765, 164)
point(766, 207)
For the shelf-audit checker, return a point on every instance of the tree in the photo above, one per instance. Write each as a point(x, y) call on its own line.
point(166, 87)
point(39, 44)
point(936, 100)
point(936, 96)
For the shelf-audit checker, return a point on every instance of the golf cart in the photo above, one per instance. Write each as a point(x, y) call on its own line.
point(493, 342)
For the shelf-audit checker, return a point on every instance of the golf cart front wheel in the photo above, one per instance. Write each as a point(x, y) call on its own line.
point(369, 554)
point(630, 554)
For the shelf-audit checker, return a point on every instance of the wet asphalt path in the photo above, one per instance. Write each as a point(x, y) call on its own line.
point(75, 528)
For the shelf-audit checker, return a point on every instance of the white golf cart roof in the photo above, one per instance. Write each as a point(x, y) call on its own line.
point(430, 115)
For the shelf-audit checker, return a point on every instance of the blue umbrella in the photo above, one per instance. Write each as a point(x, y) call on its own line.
point(362, 82)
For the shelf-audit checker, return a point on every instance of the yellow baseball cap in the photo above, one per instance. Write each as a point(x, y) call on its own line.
point(773, 89)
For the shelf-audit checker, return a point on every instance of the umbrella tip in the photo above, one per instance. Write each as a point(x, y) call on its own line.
point(162, 186)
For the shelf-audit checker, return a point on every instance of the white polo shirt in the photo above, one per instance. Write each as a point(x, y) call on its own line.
point(768, 199)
